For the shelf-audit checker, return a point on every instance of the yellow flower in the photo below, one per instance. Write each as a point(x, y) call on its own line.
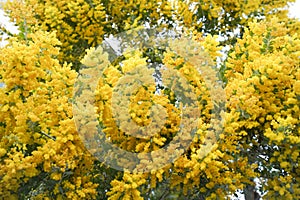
point(2, 152)
point(297, 87)
point(284, 164)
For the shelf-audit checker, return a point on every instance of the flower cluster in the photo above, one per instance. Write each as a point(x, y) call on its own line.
point(39, 143)
point(216, 16)
point(263, 80)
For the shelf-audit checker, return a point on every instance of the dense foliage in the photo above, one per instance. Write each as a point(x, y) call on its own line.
point(42, 155)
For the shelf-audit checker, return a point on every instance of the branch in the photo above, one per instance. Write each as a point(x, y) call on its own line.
point(49, 136)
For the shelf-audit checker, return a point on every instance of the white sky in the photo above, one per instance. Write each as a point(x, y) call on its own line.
point(295, 9)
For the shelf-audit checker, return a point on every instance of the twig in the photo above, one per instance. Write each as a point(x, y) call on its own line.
point(49, 136)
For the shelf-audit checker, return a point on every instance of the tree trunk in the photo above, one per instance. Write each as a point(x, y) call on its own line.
point(250, 193)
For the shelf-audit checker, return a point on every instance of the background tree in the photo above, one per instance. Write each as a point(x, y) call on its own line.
point(81, 24)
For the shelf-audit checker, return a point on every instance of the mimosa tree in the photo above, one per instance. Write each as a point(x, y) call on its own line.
point(67, 98)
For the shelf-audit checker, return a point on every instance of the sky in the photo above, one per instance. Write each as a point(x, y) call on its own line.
point(295, 9)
